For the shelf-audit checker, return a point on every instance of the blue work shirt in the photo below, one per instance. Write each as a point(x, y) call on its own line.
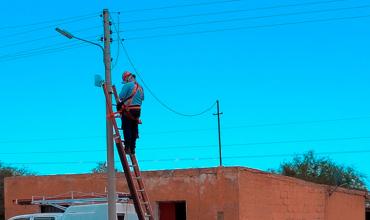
point(126, 92)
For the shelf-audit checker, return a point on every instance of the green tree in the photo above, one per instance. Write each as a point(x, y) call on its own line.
point(322, 170)
point(101, 167)
point(7, 171)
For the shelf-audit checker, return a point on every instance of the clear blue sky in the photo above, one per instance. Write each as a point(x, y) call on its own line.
point(283, 89)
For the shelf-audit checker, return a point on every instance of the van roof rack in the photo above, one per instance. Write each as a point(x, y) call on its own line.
point(71, 198)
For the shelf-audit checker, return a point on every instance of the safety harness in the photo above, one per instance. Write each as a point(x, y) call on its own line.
point(126, 107)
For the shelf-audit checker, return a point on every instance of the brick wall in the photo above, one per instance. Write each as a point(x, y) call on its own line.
point(269, 196)
point(232, 193)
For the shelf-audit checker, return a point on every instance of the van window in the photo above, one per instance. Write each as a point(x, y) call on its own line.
point(44, 218)
point(24, 218)
point(121, 216)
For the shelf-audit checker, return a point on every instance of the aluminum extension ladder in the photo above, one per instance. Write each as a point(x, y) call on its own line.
point(129, 164)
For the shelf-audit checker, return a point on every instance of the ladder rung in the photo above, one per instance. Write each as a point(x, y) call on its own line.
point(141, 190)
point(137, 177)
point(145, 203)
point(133, 165)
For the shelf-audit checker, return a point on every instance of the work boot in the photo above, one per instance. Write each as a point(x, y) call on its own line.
point(127, 150)
point(132, 150)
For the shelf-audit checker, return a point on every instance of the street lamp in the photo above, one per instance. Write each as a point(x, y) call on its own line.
point(70, 36)
point(109, 127)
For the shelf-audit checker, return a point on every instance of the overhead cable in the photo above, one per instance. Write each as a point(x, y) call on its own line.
point(49, 139)
point(199, 158)
point(181, 6)
point(100, 149)
point(247, 27)
point(30, 51)
point(41, 28)
point(231, 11)
point(245, 18)
point(41, 50)
point(44, 52)
point(51, 21)
point(151, 92)
point(44, 38)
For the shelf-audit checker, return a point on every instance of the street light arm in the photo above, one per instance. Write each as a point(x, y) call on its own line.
point(90, 42)
point(70, 36)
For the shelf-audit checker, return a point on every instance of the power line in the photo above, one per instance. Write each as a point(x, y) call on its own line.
point(199, 158)
point(44, 38)
point(298, 141)
point(38, 49)
point(101, 149)
point(295, 154)
point(181, 6)
point(296, 122)
point(191, 130)
point(259, 125)
point(259, 143)
point(41, 51)
point(45, 52)
point(258, 156)
point(42, 28)
point(246, 18)
point(152, 93)
point(48, 139)
point(247, 27)
point(53, 152)
point(41, 48)
point(232, 11)
point(50, 21)
point(160, 27)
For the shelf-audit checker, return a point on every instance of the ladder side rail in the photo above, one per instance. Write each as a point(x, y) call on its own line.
point(122, 155)
point(115, 94)
point(137, 173)
point(130, 181)
point(141, 184)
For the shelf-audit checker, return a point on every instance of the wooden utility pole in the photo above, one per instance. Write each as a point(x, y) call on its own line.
point(219, 131)
point(112, 214)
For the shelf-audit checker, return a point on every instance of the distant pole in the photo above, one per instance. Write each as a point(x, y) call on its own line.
point(110, 150)
point(219, 131)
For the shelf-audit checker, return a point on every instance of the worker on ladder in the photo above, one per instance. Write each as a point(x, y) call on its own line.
point(131, 98)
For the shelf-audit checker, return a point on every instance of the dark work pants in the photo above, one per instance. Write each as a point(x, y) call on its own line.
point(130, 127)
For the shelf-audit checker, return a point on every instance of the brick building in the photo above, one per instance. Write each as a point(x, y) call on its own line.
point(230, 193)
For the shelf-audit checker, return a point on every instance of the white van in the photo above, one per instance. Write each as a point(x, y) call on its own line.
point(125, 211)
